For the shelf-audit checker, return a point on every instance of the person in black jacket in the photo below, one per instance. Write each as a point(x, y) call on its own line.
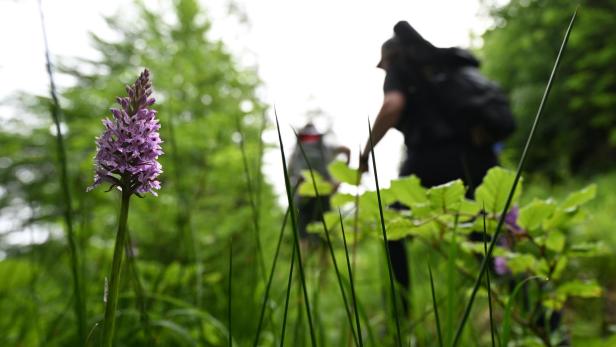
point(439, 148)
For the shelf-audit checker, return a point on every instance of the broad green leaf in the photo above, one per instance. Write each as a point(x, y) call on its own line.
point(580, 289)
point(469, 207)
point(478, 248)
point(557, 220)
point(408, 190)
point(534, 214)
point(519, 263)
point(555, 301)
point(369, 203)
point(332, 221)
point(495, 188)
point(398, 228)
point(542, 268)
point(343, 173)
point(587, 249)
point(555, 241)
point(580, 197)
point(306, 188)
point(341, 199)
point(561, 264)
point(448, 196)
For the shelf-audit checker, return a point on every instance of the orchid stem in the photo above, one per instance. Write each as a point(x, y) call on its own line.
point(114, 284)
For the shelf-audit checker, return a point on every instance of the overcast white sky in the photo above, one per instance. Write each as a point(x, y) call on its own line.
point(310, 54)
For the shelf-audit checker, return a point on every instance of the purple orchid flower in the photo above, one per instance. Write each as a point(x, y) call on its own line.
point(128, 150)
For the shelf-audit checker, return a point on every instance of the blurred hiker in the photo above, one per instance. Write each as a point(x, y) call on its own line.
point(319, 155)
point(450, 115)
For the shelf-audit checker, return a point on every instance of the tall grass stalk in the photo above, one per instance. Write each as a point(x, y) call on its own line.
point(116, 267)
point(501, 220)
point(230, 294)
point(391, 276)
point(286, 301)
point(434, 304)
point(506, 325)
point(295, 234)
point(485, 250)
point(321, 211)
point(80, 305)
point(269, 280)
point(355, 309)
point(452, 289)
point(251, 197)
point(138, 287)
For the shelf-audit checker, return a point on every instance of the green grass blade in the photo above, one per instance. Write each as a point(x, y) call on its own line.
point(80, 304)
point(328, 239)
point(346, 254)
point(501, 220)
point(485, 249)
point(286, 301)
point(295, 234)
point(506, 327)
point(452, 289)
point(438, 322)
point(251, 197)
point(138, 287)
point(269, 281)
point(391, 276)
point(230, 293)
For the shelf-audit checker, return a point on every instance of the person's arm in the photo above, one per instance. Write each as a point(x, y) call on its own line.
point(343, 150)
point(388, 117)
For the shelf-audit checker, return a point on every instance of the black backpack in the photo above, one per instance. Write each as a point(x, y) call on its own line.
point(461, 103)
point(473, 103)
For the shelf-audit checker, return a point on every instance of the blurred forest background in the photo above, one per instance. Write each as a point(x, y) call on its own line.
point(213, 194)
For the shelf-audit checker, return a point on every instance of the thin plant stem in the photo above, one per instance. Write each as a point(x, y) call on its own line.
point(251, 197)
point(139, 292)
point(452, 290)
point(356, 217)
point(484, 263)
point(286, 301)
point(383, 229)
point(269, 281)
point(485, 249)
point(230, 294)
point(346, 254)
point(80, 305)
point(295, 234)
point(434, 304)
point(328, 239)
point(114, 283)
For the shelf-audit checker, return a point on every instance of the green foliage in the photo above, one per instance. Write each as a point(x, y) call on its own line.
point(179, 237)
point(577, 131)
point(536, 243)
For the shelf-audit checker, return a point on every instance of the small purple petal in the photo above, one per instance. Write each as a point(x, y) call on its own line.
point(500, 266)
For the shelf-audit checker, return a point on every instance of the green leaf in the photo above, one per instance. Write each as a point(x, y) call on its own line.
point(534, 214)
point(306, 188)
point(519, 263)
point(398, 228)
point(588, 249)
point(561, 264)
point(494, 190)
point(408, 190)
point(470, 207)
point(341, 199)
point(331, 220)
point(580, 289)
point(341, 172)
point(575, 199)
point(448, 196)
point(555, 241)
